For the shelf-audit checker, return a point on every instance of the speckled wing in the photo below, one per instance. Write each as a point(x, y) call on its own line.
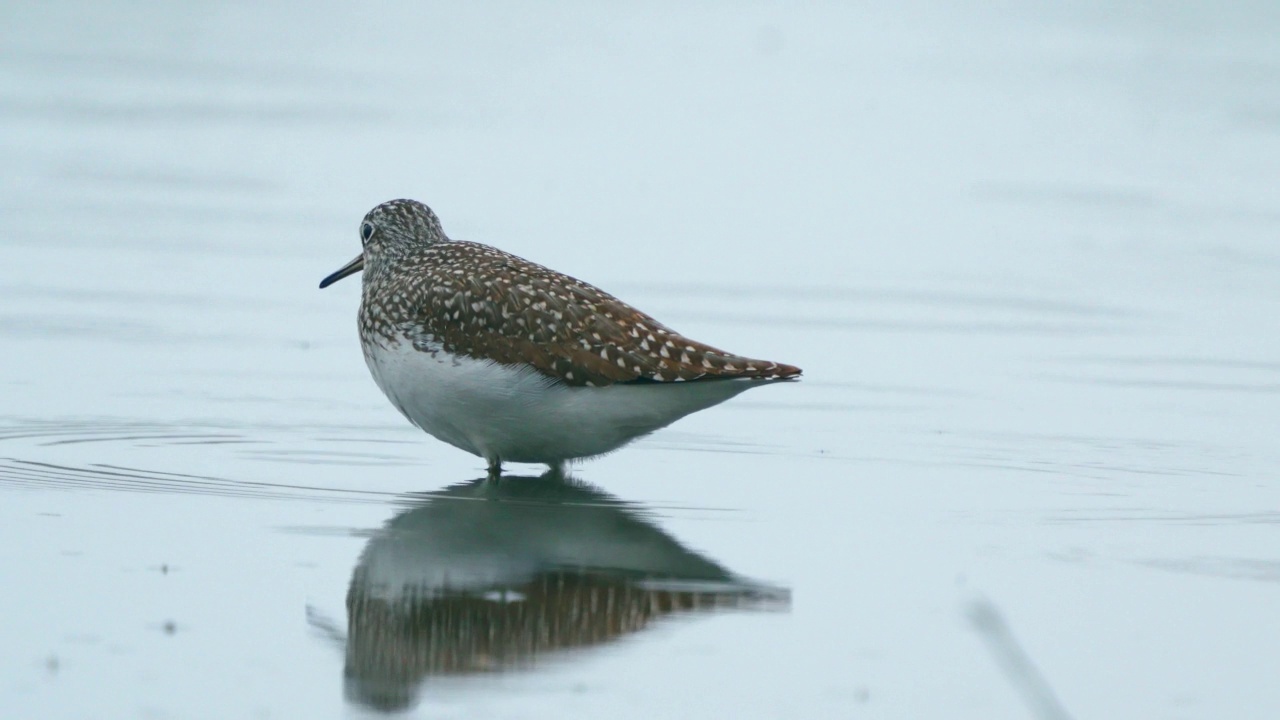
point(487, 304)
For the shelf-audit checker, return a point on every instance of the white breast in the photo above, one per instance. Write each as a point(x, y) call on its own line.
point(502, 412)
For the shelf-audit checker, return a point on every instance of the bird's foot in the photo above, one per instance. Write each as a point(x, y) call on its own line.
point(495, 469)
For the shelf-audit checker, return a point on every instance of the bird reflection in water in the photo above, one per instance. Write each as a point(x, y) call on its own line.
point(487, 576)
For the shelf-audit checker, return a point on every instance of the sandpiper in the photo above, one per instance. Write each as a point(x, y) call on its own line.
point(510, 360)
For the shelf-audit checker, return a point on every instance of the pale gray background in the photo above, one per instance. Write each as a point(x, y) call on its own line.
point(1026, 254)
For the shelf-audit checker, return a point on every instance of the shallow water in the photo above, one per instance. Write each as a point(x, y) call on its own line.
point(1026, 257)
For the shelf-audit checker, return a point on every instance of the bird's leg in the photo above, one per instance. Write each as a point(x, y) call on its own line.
point(556, 470)
point(495, 468)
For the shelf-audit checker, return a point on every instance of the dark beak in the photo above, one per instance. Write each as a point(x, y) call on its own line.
point(350, 268)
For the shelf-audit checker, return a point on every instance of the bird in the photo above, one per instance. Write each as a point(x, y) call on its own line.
point(512, 361)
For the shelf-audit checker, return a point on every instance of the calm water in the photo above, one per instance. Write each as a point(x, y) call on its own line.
point(1026, 256)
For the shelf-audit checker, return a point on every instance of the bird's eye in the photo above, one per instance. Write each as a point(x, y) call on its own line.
point(366, 231)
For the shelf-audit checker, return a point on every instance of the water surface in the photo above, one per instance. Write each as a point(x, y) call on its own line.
point(1025, 255)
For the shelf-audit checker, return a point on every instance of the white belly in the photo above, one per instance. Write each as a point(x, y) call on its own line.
point(504, 413)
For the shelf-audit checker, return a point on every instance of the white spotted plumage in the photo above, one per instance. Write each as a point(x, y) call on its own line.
point(511, 360)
